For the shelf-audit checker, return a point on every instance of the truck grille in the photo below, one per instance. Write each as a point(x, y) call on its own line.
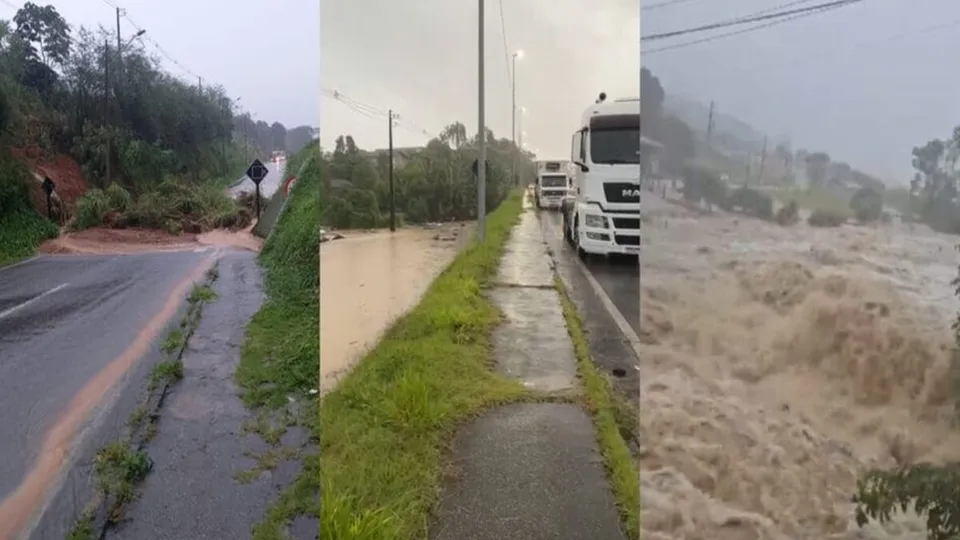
point(626, 223)
point(624, 240)
point(554, 192)
point(622, 192)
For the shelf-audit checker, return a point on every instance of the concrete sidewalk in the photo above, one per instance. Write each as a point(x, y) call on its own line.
point(529, 471)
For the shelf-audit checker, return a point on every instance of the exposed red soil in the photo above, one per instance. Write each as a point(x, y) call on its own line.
point(104, 241)
point(62, 169)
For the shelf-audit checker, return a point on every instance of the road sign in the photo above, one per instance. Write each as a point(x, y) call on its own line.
point(48, 186)
point(257, 171)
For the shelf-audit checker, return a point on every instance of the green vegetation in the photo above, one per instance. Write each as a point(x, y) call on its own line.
point(826, 218)
point(814, 199)
point(867, 205)
point(119, 469)
point(614, 418)
point(392, 416)
point(160, 148)
point(21, 228)
point(432, 184)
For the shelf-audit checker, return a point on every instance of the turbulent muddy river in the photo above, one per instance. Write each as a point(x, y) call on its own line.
point(780, 364)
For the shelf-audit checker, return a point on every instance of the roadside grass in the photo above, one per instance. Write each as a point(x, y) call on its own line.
point(392, 417)
point(815, 199)
point(21, 232)
point(615, 421)
point(383, 431)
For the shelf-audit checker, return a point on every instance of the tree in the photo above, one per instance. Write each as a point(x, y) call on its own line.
point(45, 30)
point(867, 205)
point(816, 168)
point(651, 94)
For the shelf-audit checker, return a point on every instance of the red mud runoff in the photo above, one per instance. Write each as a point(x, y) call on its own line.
point(102, 241)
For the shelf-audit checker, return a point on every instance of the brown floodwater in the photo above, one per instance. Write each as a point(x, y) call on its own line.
point(368, 280)
point(779, 364)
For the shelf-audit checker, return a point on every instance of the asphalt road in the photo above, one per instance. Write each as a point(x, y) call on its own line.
point(268, 186)
point(619, 278)
point(62, 320)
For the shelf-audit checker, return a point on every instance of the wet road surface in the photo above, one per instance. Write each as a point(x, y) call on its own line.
point(619, 278)
point(268, 186)
point(63, 319)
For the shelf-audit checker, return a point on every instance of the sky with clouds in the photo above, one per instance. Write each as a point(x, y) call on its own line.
point(421, 60)
point(865, 82)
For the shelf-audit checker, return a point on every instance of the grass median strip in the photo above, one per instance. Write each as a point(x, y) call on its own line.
point(614, 419)
point(121, 465)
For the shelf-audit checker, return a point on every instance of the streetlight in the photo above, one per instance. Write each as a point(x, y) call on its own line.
point(513, 108)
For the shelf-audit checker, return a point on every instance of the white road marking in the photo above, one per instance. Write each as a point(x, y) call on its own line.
point(16, 264)
point(18, 307)
point(611, 308)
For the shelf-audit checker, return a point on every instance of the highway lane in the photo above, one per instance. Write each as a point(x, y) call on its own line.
point(63, 320)
point(620, 279)
point(268, 186)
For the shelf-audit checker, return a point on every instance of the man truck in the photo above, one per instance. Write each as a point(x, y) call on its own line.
point(602, 214)
point(553, 183)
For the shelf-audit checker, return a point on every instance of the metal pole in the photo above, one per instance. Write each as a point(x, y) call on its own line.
point(393, 211)
point(482, 134)
point(106, 104)
point(513, 116)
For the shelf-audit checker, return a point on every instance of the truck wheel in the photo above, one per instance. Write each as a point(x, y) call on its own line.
point(584, 256)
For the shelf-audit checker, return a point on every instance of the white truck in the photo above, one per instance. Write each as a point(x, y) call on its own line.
point(602, 214)
point(553, 183)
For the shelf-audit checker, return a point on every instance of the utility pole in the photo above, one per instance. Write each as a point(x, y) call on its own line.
point(481, 134)
point(763, 159)
point(106, 104)
point(746, 181)
point(393, 209)
point(513, 116)
point(710, 123)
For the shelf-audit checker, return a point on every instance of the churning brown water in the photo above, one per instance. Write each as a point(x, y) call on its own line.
point(781, 363)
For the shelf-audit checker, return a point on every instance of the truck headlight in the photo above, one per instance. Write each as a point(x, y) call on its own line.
point(594, 221)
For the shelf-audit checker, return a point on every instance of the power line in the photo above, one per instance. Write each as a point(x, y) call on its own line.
point(665, 3)
point(374, 113)
point(750, 19)
point(506, 48)
point(736, 32)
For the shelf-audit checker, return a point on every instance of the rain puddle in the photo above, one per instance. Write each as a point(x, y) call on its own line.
point(780, 364)
point(368, 280)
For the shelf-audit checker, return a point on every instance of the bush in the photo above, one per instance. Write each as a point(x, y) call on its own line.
point(788, 214)
point(752, 202)
point(92, 209)
point(826, 218)
point(701, 184)
point(172, 206)
point(867, 205)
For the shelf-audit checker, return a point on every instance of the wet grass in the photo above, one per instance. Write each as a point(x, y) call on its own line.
point(615, 420)
point(21, 232)
point(385, 428)
point(814, 199)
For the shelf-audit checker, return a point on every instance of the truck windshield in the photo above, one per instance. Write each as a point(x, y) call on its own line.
point(612, 146)
point(553, 181)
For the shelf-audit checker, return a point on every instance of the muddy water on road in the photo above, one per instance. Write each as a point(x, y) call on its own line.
point(368, 280)
point(779, 364)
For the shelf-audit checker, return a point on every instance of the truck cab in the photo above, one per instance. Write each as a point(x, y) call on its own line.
point(602, 214)
point(552, 185)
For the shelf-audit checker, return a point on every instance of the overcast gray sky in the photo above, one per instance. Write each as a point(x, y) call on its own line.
point(264, 52)
point(420, 58)
point(866, 82)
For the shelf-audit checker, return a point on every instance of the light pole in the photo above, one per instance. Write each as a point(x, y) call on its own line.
point(481, 132)
point(106, 93)
point(513, 110)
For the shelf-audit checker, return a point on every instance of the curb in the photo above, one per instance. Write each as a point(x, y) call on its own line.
point(139, 435)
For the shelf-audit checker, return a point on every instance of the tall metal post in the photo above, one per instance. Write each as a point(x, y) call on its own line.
point(481, 134)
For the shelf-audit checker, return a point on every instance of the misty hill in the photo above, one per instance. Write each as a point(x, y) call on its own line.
point(695, 114)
